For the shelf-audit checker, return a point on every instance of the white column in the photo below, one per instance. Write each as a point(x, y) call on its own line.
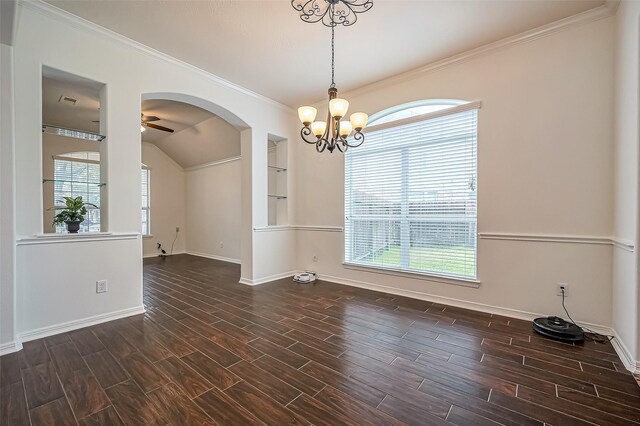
point(7, 204)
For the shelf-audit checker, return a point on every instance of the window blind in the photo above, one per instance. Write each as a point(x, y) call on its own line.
point(146, 205)
point(78, 175)
point(410, 196)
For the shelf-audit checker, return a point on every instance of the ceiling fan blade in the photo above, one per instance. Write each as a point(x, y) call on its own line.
point(157, 127)
point(147, 118)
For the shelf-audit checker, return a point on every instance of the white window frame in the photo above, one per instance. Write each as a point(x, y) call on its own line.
point(148, 207)
point(453, 107)
point(73, 157)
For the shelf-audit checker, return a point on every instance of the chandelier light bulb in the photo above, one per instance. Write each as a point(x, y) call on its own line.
point(345, 128)
point(307, 114)
point(338, 107)
point(318, 128)
point(359, 120)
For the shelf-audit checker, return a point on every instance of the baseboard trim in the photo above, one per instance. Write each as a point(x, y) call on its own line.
point(213, 256)
point(74, 325)
point(458, 303)
point(148, 256)
point(10, 347)
point(623, 352)
point(265, 280)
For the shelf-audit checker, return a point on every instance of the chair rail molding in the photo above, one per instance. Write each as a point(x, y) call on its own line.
point(313, 228)
point(555, 238)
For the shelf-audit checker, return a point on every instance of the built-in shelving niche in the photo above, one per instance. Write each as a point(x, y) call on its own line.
point(72, 148)
point(277, 164)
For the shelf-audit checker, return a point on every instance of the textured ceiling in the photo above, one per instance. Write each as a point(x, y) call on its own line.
point(264, 46)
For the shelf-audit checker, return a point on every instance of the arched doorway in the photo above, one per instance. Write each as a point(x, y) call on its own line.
point(194, 198)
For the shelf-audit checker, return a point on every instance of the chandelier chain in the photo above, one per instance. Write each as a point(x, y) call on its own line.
point(334, 133)
point(333, 56)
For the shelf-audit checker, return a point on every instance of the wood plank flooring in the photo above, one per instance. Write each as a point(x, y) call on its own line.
point(211, 351)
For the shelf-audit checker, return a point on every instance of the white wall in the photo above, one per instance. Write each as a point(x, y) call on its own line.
point(214, 210)
point(167, 202)
point(545, 168)
point(130, 72)
point(626, 296)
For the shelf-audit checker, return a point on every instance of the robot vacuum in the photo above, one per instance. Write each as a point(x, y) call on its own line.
point(558, 329)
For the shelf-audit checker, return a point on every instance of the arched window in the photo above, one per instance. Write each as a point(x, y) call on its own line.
point(411, 190)
point(413, 109)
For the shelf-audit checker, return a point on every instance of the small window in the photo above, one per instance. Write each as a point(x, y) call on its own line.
point(146, 201)
point(411, 191)
point(77, 174)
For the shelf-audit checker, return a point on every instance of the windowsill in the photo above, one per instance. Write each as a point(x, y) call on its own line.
point(68, 235)
point(460, 281)
point(71, 238)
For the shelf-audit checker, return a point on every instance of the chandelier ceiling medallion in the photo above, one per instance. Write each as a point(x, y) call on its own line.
point(334, 132)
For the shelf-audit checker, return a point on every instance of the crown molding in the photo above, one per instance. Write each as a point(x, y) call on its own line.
point(70, 19)
point(606, 10)
point(213, 163)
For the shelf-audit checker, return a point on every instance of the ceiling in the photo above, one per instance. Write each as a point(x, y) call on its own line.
point(174, 115)
point(210, 140)
point(79, 116)
point(242, 39)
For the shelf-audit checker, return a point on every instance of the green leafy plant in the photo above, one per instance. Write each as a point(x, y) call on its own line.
point(73, 210)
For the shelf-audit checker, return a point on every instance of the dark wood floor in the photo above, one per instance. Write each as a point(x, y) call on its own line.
point(211, 351)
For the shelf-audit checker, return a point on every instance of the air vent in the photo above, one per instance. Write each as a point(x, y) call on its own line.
point(67, 100)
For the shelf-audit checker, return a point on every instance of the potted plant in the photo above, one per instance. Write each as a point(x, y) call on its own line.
point(72, 213)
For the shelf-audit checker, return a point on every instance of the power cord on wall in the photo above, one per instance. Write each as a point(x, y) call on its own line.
point(174, 241)
point(593, 336)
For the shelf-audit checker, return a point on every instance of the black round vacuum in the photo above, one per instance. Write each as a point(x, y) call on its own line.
point(558, 329)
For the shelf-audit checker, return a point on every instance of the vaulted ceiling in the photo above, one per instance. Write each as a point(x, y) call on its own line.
point(264, 46)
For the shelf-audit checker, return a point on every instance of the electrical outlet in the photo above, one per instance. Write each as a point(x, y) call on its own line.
point(562, 286)
point(101, 286)
point(221, 244)
point(177, 229)
point(315, 258)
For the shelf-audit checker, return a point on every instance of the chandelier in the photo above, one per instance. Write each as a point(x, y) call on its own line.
point(334, 132)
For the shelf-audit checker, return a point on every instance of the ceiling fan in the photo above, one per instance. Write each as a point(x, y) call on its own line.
point(146, 121)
